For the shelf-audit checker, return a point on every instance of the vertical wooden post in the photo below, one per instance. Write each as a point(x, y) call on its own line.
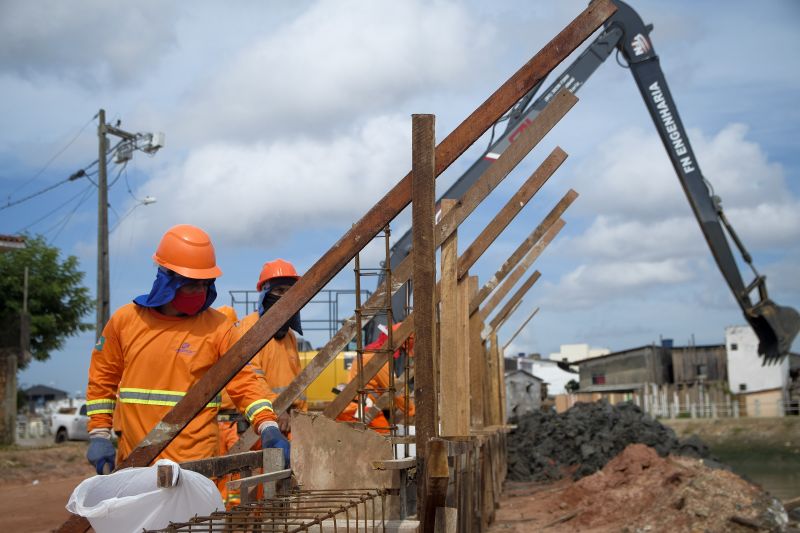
point(423, 195)
point(476, 360)
point(499, 378)
point(453, 405)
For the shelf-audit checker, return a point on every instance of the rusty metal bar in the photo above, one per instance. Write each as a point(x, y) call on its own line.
point(522, 249)
point(388, 207)
point(514, 300)
point(518, 272)
point(514, 336)
point(369, 369)
point(510, 210)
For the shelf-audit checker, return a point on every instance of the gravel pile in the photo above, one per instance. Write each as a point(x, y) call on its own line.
point(546, 446)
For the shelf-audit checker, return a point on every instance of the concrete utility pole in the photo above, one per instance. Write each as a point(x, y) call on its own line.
point(103, 291)
point(146, 142)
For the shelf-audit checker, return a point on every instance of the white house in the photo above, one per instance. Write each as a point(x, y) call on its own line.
point(763, 388)
point(569, 353)
point(548, 371)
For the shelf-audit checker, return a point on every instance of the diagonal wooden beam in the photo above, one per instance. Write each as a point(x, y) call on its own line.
point(508, 308)
point(514, 336)
point(358, 236)
point(533, 184)
point(516, 275)
point(510, 210)
point(522, 249)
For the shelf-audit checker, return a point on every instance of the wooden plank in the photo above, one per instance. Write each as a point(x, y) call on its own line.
point(491, 178)
point(512, 208)
point(462, 369)
point(476, 357)
point(504, 288)
point(395, 464)
point(437, 476)
point(522, 249)
point(499, 378)
point(515, 299)
point(370, 369)
point(164, 476)
point(448, 332)
point(514, 336)
point(423, 213)
point(337, 257)
point(247, 482)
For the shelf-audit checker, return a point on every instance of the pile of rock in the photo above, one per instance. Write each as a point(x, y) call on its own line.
point(580, 441)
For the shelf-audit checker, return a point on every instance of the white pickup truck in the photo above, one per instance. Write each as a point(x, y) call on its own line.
point(70, 423)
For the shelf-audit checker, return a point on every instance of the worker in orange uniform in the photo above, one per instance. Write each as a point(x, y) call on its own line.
point(154, 349)
point(375, 418)
point(228, 418)
point(278, 360)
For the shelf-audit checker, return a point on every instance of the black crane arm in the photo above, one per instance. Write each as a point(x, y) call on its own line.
point(776, 326)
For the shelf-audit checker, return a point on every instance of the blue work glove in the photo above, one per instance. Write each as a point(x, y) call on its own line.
point(101, 453)
point(271, 437)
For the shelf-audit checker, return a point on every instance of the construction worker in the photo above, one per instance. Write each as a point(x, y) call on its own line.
point(278, 360)
point(152, 351)
point(374, 417)
point(228, 418)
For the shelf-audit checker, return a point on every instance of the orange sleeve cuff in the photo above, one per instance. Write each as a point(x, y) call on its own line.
point(100, 421)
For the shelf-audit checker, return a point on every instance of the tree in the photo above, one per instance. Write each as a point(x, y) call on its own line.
point(57, 299)
point(572, 386)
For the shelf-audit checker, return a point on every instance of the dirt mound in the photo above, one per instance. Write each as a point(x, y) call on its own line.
point(583, 439)
point(640, 491)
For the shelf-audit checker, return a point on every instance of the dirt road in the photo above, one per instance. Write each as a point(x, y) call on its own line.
point(35, 485)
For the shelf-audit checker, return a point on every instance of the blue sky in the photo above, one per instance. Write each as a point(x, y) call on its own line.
point(284, 124)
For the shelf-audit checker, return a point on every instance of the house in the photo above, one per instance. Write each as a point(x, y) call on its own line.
point(569, 353)
point(626, 371)
point(762, 390)
point(38, 395)
point(523, 393)
point(554, 374)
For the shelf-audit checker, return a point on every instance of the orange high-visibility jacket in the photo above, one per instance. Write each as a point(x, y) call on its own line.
point(150, 360)
point(278, 361)
point(380, 381)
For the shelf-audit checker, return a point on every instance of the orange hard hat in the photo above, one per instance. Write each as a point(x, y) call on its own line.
point(229, 312)
point(187, 250)
point(276, 269)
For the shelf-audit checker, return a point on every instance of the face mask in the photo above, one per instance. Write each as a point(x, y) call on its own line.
point(293, 323)
point(189, 303)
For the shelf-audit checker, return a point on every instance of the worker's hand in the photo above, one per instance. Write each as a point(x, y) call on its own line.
point(101, 452)
point(271, 437)
point(285, 422)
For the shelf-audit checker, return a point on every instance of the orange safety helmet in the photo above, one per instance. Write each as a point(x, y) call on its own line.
point(276, 269)
point(229, 312)
point(187, 250)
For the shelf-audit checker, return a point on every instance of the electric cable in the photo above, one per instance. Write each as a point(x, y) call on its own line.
point(54, 157)
point(52, 212)
point(66, 219)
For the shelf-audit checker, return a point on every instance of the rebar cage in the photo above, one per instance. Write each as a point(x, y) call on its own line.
point(299, 510)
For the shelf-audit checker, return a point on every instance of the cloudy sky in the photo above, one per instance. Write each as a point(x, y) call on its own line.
point(285, 123)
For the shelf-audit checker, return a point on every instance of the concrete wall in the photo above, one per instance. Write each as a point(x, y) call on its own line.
point(764, 403)
point(631, 367)
point(745, 372)
point(523, 393)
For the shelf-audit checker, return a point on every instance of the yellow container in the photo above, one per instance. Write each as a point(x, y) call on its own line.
point(320, 392)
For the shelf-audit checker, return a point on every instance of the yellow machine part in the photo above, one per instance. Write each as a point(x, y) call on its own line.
point(320, 393)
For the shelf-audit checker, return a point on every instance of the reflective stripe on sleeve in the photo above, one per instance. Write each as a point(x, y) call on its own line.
point(158, 397)
point(256, 407)
point(100, 407)
point(258, 372)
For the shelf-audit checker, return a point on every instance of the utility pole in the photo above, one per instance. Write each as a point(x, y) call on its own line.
point(146, 142)
point(103, 291)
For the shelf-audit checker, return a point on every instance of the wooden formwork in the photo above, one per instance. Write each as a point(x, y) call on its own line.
point(483, 455)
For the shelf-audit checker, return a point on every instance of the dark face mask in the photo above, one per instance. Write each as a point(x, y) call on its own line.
point(293, 323)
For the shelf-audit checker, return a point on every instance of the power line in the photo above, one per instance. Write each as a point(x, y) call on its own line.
point(54, 157)
point(69, 216)
point(52, 212)
point(41, 192)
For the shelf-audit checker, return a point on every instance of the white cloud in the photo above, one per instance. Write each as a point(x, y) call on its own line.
point(90, 42)
point(591, 284)
point(260, 193)
point(335, 62)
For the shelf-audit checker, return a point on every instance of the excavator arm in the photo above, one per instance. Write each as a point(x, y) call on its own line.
point(776, 326)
